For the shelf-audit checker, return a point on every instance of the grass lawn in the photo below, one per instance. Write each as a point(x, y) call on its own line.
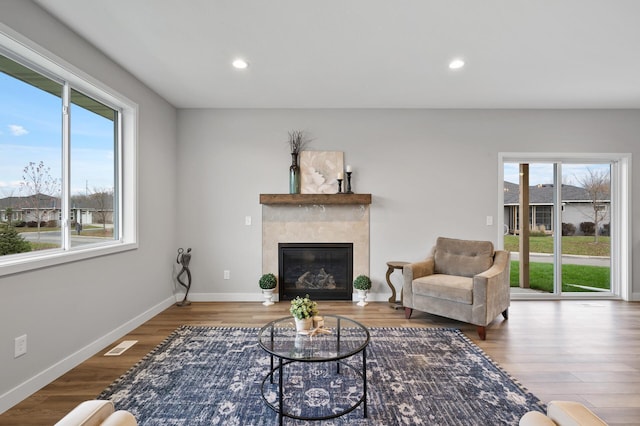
point(541, 276)
point(88, 231)
point(579, 245)
point(43, 246)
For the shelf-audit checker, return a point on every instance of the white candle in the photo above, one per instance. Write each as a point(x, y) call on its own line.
point(348, 168)
point(339, 175)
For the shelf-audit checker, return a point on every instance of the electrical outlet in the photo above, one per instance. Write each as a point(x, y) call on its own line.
point(227, 274)
point(489, 220)
point(20, 347)
point(247, 220)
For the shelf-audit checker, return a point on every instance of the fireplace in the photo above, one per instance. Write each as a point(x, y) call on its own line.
point(315, 218)
point(324, 271)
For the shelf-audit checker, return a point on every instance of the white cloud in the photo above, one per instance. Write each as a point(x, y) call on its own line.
point(17, 130)
point(10, 188)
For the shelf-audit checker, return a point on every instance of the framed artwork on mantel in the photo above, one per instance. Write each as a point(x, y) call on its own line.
point(319, 171)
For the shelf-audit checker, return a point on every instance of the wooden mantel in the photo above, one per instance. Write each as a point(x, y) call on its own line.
point(319, 199)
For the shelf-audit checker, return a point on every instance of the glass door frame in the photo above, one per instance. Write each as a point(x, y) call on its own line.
point(621, 256)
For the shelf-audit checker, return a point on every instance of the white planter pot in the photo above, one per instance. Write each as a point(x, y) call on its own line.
point(304, 324)
point(362, 296)
point(268, 295)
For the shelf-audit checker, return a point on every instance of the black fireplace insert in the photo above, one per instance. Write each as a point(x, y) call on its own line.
point(324, 271)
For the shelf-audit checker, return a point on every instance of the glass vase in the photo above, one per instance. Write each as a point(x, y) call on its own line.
point(294, 175)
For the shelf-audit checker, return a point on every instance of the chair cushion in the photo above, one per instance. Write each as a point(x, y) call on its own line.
point(462, 257)
point(448, 287)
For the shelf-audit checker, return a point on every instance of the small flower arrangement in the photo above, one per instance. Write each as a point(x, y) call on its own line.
point(362, 282)
point(268, 281)
point(303, 307)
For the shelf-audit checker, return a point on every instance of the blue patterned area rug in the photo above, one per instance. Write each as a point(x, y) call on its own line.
point(416, 376)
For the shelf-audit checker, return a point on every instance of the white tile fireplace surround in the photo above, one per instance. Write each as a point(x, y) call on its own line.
point(307, 218)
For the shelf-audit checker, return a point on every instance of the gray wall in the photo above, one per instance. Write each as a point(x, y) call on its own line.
point(431, 173)
point(64, 309)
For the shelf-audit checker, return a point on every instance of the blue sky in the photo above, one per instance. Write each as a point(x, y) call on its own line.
point(30, 130)
point(540, 173)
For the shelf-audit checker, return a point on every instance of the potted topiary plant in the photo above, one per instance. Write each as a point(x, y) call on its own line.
point(303, 310)
point(362, 284)
point(268, 283)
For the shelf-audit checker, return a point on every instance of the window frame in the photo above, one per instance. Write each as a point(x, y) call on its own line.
point(621, 213)
point(22, 50)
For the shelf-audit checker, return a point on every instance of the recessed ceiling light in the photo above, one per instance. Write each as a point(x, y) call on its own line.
point(240, 64)
point(456, 64)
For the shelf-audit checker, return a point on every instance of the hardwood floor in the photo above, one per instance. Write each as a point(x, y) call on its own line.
point(587, 351)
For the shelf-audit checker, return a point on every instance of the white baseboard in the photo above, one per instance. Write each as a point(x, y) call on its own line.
point(257, 297)
point(43, 378)
point(227, 297)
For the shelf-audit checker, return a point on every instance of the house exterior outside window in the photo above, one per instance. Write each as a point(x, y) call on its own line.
point(576, 205)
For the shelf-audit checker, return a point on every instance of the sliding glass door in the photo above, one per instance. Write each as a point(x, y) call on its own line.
point(559, 225)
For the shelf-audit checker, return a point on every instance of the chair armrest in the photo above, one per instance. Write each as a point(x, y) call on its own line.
point(499, 268)
point(120, 418)
point(535, 418)
point(491, 290)
point(572, 413)
point(409, 273)
point(93, 411)
point(418, 269)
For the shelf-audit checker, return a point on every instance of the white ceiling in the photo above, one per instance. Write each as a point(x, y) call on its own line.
point(371, 53)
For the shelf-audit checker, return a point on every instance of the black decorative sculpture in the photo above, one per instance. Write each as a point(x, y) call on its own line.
point(183, 259)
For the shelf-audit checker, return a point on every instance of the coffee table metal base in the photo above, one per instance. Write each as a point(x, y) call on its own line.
point(280, 403)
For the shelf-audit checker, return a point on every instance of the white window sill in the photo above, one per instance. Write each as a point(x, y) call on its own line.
point(25, 263)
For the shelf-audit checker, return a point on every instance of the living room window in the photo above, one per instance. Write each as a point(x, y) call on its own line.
point(67, 158)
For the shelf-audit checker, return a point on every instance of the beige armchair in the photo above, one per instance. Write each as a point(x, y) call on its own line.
point(461, 279)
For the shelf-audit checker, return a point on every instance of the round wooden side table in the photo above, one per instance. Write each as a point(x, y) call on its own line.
point(392, 266)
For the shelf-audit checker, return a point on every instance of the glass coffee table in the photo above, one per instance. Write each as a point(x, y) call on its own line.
point(306, 369)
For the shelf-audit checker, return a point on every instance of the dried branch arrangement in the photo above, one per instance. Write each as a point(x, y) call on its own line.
point(298, 140)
